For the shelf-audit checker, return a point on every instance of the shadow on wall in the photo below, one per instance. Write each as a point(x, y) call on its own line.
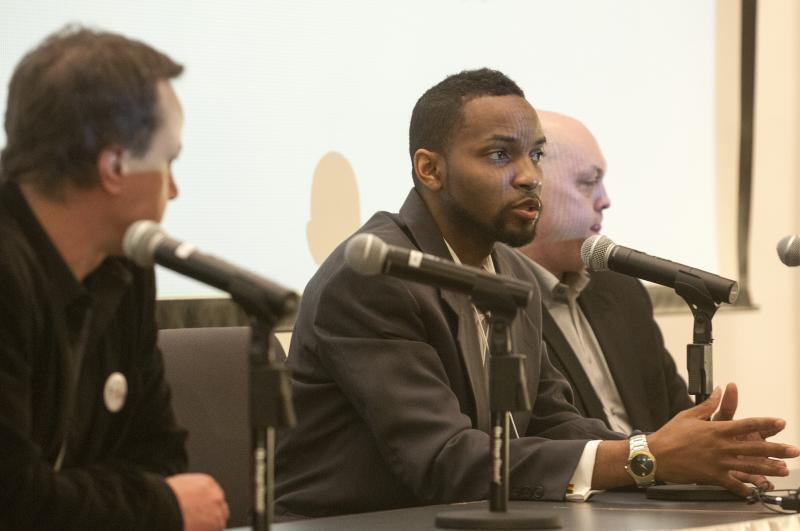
point(335, 205)
point(335, 215)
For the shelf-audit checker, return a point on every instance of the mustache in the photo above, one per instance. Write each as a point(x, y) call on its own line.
point(531, 201)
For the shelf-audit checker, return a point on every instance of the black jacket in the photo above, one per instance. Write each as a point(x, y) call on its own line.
point(113, 469)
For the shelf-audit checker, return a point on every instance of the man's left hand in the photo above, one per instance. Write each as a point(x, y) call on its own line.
point(727, 409)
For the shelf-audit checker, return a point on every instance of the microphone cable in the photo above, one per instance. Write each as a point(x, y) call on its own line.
point(789, 502)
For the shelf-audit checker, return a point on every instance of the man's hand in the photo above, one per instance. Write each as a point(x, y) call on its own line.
point(202, 502)
point(730, 401)
point(689, 449)
point(727, 409)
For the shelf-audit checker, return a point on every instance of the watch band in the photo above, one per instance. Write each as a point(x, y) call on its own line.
point(641, 465)
point(637, 442)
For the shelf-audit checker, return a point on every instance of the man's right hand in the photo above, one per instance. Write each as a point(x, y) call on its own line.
point(689, 449)
point(201, 500)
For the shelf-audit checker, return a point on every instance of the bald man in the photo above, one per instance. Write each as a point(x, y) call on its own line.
point(598, 327)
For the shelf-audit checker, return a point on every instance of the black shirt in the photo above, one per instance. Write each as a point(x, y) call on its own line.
point(61, 341)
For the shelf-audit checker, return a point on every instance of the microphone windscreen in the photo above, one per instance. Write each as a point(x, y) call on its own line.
point(789, 250)
point(366, 253)
point(140, 240)
point(594, 252)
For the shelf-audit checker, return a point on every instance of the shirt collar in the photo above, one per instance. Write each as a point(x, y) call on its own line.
point(486, 265)
point(568, 289)
point(110, 278)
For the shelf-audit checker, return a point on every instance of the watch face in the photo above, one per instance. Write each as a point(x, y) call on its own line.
point(641, 465)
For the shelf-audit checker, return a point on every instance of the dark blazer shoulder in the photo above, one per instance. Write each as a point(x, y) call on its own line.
point(618, 287)
point(620, 312)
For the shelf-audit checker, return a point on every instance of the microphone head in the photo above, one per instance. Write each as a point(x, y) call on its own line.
point(366, 253)
point(140, 241)
point(789, 250)
point(595, 251)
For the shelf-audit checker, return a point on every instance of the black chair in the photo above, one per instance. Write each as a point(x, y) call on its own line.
point(207, 371)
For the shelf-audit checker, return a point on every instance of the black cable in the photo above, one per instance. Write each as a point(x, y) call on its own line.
point(790, 503)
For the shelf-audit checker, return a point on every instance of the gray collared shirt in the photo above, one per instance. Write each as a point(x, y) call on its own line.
point(560, 299)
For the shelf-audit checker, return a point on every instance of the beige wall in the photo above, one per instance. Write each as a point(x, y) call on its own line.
point(759, 349)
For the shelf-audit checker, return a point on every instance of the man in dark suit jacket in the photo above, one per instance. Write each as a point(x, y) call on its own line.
point(598, 327)
point(388, 375)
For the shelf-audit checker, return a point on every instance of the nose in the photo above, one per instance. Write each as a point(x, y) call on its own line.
point(173, 188)
point(602, 200)
point(529, 177)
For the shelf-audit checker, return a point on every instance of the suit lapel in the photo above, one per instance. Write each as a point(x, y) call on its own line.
point(598, 308)
point(471, 355)
point(428, 238)
point(520, 332)
point(523, 328)
point(561, 351)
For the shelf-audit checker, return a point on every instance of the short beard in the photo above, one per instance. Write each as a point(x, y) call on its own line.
point(516, 238)
point(492, 232)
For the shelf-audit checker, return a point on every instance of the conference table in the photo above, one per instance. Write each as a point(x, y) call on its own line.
point(606, 511)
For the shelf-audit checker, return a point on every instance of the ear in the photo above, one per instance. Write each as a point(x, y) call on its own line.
point(109, 170)
point(430, 168)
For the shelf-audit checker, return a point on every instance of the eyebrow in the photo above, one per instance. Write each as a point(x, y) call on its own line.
point(508, 139)
point(595, 173)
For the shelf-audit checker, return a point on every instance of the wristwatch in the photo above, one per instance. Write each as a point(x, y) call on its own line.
point(641, 464)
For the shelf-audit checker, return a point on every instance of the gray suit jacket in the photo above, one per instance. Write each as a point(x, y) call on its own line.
point(391, 396)
point(621, 315)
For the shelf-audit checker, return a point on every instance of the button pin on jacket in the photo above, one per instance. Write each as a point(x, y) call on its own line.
point(115, 391)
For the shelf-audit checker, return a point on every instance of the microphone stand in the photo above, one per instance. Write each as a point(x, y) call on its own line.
point(270, 394)
point(508, 391)
point(699, 363)
point(270, 408)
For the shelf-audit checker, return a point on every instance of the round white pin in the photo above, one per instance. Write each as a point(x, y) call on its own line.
point(115, 391)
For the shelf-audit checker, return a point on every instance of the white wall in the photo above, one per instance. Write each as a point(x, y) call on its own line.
point(271, 89)
point(759, 349)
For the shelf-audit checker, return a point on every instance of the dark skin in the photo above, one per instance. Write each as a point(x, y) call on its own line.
point(688, 449)
point(484, 189)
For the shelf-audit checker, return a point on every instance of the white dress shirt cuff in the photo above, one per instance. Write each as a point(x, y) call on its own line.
point(580, 486)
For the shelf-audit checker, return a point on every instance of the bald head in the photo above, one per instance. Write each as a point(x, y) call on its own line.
point(568, 138)
point(573, 196)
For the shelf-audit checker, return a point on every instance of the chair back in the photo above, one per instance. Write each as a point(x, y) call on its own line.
point(207, 370)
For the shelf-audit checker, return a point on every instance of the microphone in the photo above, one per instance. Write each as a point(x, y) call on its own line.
point(599, 253)
point(789, 250)
point(145, 243)
point(369, 255)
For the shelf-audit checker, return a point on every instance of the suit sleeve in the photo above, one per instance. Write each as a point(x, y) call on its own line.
point(555, 421)
point(554, 413)
point(126, 492)
point(385, 363)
